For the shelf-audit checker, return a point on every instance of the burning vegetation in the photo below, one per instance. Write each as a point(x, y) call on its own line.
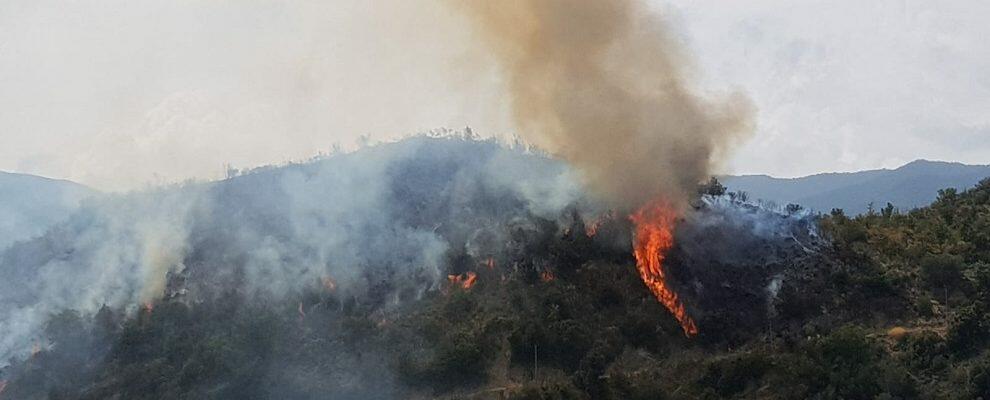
point(465, 269)
point(464, 281)
point(654, 237)
point(775, 305)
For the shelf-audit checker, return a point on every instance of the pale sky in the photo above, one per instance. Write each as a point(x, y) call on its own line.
point(122, 94)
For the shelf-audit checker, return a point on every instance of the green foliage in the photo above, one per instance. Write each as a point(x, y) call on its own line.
point(980, 380)
point(731, 375)
point(970, 330)
point(942, 270)
point(552, 390)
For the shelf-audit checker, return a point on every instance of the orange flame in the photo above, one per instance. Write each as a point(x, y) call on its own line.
point(547, 276)
point(592, 229)
point(329, 284)
point(465, 280)
point(490, 263)
point(654, 237)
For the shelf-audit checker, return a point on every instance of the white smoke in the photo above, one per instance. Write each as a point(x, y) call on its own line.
point(388, 212)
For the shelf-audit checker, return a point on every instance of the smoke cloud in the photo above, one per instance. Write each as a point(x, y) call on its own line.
point(385, 215)
point(604, 85)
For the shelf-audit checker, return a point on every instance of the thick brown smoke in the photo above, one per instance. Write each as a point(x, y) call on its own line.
point(602, 84)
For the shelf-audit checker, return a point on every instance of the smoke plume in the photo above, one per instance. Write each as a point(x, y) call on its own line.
point(388, 213)
point(603, 85)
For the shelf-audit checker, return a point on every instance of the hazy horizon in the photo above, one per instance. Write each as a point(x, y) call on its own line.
point(151, 185)
point(123, 95)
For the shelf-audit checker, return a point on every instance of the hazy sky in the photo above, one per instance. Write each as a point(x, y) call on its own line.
point(120, 94)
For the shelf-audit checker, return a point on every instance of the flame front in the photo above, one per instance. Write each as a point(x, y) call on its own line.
point(654, 237)
point(465, 280)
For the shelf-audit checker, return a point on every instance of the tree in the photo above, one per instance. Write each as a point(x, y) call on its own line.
point(713, 188)
point(888, 211)
point(793, 208)
point(942, 270)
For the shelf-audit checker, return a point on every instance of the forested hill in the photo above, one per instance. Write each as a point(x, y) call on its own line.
point(536, 305)
point(912, 185)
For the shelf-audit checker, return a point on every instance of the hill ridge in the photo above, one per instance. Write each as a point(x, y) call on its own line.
point(909, 186)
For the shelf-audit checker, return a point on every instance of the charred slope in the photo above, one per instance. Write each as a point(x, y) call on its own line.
point(732, 260)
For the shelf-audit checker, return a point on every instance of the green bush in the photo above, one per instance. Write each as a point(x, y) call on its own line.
point(970, 330)
point(942, 270)
point(551, 390)
point(731, 375)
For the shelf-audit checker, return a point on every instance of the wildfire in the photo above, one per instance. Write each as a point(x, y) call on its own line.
point(592, 229)
point(465, 280)
point(654, 237)
point(329, 284)
point(547, 276)
point(490, 263)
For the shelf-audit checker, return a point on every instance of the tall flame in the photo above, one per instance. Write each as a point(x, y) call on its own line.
point(654, 238)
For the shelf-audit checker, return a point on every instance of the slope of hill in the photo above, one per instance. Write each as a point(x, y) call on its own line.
point(30, 204)
point(913, 185)
point(423, 268)
point(456, 269)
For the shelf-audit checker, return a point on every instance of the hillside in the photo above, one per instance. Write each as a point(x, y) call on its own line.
point(458, 269)
point(910, 186)
point(30, 204)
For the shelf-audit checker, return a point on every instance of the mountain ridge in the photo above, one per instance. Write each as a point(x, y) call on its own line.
point(30, 204)
point(909, 186)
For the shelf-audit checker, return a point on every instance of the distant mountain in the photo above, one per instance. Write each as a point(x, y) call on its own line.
point(30, 204)
point(913, 185)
